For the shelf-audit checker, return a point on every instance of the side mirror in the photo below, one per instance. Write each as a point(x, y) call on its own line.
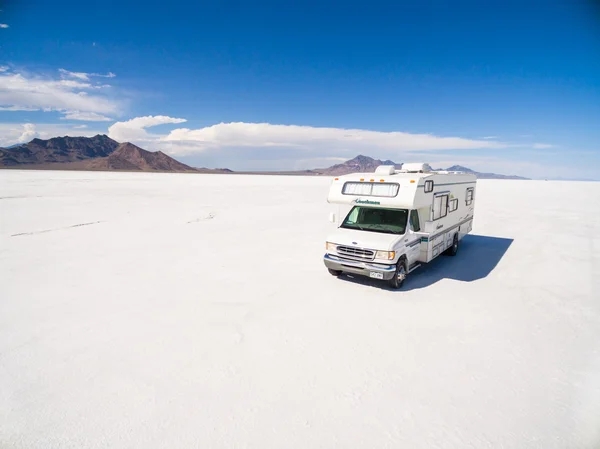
point(332, 217)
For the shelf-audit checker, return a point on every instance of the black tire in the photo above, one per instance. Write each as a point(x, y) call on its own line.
point(454, 248)
point(335, 273)
point(399, 275)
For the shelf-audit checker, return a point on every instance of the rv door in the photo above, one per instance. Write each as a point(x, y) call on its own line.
point(413, 240)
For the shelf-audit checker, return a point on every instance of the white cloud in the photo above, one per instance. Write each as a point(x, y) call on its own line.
point(489, 137)
point(312, 138)
point(541, 146)
point(85, 116)
point(29, 133)
point(17, 108)
point(21, 91)
point(80, 75)
point(3, 68)
point(3, 25)
point(135, 129)
point(83, 75)
point(11, 133)
point(80, 126)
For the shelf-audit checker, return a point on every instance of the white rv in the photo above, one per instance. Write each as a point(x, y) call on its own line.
point(391, 221)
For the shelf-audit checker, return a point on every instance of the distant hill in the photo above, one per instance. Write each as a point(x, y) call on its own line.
point(128, 156)
point(360, 164)
point(58, 149)
point(366, 164)
point(91, 153)
point(483, 175)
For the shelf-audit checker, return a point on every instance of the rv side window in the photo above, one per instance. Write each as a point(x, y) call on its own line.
point(440, 206)
point(414, 221)
point(470, 191)
point(453, 205)
point(428, 186)
point(386, 189)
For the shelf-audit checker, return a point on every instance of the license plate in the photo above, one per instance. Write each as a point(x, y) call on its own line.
point(376, 275)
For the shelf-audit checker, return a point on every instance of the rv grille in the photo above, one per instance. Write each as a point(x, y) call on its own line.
point(356, 253)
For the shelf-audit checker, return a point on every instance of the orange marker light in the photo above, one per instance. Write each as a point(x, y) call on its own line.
point(337, 179)
point(381, 180)
point(412, 181)
point(371, 180)
point(362, 179)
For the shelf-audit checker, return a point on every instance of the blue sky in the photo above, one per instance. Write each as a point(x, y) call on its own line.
point(510, 87)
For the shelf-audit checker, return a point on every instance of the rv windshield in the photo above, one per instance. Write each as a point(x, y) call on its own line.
point(388, 221)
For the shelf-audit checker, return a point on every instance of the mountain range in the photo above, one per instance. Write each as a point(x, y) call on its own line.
point(91, 153)
point(366, 164)
point(483, 175)
point(58, 149)
point(103, 153)
point(359, 164)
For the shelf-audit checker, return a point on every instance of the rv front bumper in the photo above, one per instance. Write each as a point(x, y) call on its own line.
point(356, 267)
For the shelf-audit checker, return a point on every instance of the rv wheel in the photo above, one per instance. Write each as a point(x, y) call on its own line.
point(399, 276)
point(454, 248)
point(334, 272)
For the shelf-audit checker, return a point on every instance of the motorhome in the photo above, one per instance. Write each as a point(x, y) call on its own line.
point(390, 222)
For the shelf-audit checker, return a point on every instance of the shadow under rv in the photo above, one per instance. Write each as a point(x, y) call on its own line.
point(476, 259)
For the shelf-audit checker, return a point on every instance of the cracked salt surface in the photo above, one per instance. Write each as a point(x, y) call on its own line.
point(58, 229)
point(147, 332)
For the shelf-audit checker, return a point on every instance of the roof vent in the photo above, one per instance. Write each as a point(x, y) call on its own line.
point(385, 170)
point(416, 167)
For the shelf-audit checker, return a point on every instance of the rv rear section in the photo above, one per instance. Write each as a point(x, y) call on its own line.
point(392, 221)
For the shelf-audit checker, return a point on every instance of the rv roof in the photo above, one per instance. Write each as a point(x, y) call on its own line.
point(396, 175)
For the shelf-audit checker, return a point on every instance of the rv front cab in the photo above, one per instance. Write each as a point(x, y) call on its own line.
point(397, 220)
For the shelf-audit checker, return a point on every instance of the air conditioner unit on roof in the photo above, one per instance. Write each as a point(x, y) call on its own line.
point(385, 170)
point(416, 167)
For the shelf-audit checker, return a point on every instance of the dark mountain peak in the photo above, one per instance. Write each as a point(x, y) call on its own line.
point(99, 152)
point(128, 156)
point(128, 147)
point(460, 168)
point(72, 142)
point(359, 164)
point(103, 138)
point(58, 149)
point(361, 159)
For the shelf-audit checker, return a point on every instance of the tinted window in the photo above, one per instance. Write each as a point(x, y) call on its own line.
point(414, 221)
point(376, 219)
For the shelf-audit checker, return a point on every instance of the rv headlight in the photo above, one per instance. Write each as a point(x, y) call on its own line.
point(330, 246)
point(389, 255)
